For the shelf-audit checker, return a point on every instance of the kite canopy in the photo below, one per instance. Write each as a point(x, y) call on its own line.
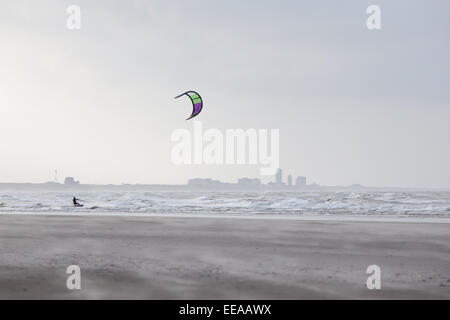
point(197, 102)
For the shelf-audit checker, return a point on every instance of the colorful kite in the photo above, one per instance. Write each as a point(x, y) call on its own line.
point(197, 102)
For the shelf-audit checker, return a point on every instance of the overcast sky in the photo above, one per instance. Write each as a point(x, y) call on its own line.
point(352, 105)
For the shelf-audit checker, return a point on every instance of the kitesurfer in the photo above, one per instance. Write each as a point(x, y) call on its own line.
point(75, 203)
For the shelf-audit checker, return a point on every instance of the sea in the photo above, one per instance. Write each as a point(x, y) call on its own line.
point(398, 204)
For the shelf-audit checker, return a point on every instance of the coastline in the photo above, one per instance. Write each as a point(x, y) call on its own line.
point(300, 217)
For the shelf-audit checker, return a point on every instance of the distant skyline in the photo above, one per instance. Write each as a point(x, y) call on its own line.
point(277, 182)
point(351, 105)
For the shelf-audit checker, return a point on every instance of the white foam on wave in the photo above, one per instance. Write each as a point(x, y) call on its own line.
point(400, 204)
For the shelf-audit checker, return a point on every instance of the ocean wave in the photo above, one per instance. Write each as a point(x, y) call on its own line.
point(321, 203)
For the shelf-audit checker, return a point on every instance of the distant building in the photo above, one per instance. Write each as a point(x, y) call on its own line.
point(247, 182)
point(300, 181)
point(208, 182)
point(70, 181)
point(279, 177)
point(289, 180)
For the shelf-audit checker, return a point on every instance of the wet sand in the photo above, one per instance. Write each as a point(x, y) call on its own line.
point(220, 258)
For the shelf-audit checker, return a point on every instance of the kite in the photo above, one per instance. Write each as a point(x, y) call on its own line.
point(197, 102)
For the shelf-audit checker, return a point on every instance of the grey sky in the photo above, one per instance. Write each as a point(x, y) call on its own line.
point(352, 105)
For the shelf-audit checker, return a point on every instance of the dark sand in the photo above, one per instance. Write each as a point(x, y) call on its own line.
point(220, 258)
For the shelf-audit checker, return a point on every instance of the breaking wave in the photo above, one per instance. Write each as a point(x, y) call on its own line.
point(417, 204)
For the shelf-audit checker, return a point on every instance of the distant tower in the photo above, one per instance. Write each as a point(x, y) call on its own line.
point(56, 175)
point(300, 181)
point(279, 177)
point(289, 180)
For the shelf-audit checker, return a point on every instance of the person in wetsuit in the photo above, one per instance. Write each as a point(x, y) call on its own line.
point(75, 203)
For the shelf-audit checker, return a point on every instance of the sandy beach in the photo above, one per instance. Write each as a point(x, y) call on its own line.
point(220, 258)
